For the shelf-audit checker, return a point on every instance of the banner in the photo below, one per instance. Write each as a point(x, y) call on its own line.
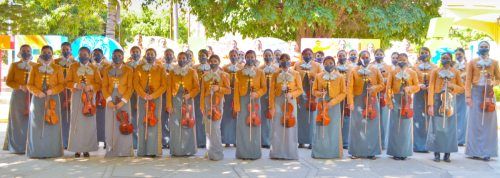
point(5, 42)
point(38, 41)
point(106, 44)
point(330, 46)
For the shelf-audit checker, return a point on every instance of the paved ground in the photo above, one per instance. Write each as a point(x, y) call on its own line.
point(420, 165)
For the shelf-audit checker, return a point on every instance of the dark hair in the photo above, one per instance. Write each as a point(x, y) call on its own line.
point(117, 51)
point(84, 49)
point(216, 57)
point(66, 44)
point(305, 50)
point(184, 54)
point(189, 51)
point(275, 51)
point(329, 57)
point(483, 42)
point(402, 54)
point(233, 51)
point(341, 51)
point(425, 49)
point(98, 50)
point(210, 47)
point(271, 51)
point(379, 50)
point(24, 45)
point(352, 50)
point(461, 50)
point(49, 47)
point(284, 55)
point(150, 49)
point(204, 51)
point(250, 51)
point(447, 53)
point(395, 53)
point(169, 50)
point(320, 52)
point(361, 54)
point(136, 47)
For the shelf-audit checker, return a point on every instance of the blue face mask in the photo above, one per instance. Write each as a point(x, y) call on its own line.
point(366, 62)
point(353, 58)
point(213, 66)
point(150, 59)
point(423, 57)
point(84, 60)
point(319, 59)
point(46, 57)
point(135, 57)
point(169, 59)
point(190, 58)
point(182, 63)
point(459, 57)
point(202, 60)
point(483, 51)
point(285, 64)
point(268, 59)
point(307, 58)
point(445, 62)
point(66, 54)
point(234, 59)
point(329, 68)
point(250, 62)
point(117, 60)
point(342, 60)
point(394, 62)
point(402, 64)
point(97, 58)
point(278, 58)
point(25, 56)
point(379, 58)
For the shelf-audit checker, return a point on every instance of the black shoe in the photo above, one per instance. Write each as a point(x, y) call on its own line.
point(447, 157)
point(234, 145)
point(104, 147)
point(346, 147)
point(77, 155)
point(486, 158)
point(397, 158)
point(301, 145)
point(461, 144)
point(475, 157)
point(201, 146)
point(86, 154)
point(310, 146)
point(371, 157)
point(265, 146)
point(437, 157)
point(403, 158)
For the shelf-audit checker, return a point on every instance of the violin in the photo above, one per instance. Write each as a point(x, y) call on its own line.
point(150, 117)
point(99, 100)
point(215, 111)
point(67, 101)
point(445, 109)
point(27, 99)
point(488, 104)
point(253, 108)
point(406, 103)
point(311, 104)
point(369, 100)
point(288, 119)
point(125, 126)
point(187, 120)
point(381, 98)
point(50, 109)
point(322, 118)
point(268, 114)
point(89, 108)
point(234, 111)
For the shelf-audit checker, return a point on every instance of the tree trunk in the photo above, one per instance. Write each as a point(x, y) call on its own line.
point(317, 31)
point(111, 22)
point(176, 23)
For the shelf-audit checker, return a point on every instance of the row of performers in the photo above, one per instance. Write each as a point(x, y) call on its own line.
point(329, 104)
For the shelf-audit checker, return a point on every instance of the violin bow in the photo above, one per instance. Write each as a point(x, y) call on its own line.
point(309, 103)
point(445, 100)
point(366, 107)
point(324, 112)
point(251, 103)
point(211, 111)
point(401, 107)
point(484, 97)
point(284, 114)
point(78, 110)
point(45, 103)
point(425, 103)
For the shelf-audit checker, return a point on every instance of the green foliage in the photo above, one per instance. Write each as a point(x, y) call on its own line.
point(149, 23)
point(464, 36)
point(497, 92)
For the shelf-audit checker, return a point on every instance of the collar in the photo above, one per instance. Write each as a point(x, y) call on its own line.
point(136, 62)
point(461, 62)
point(86, 64)
point(43, 63)
point(270, 65)
point(118, 67)
point(309, 63)
point(217, 71)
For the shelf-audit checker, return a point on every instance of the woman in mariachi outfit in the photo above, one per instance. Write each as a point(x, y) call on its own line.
point(228, 123)
point(286, 85)
point(149, 90)
point(395, 61)
point(364, 134)
point(421, 119)
point(329, 87)
point(102, 64)
point(461, 65)
point(400, 82)
point(19, 115)
point(250, 85)
point(343, 68)
point(305, 113)
point(277, 55)
point(65, 60)
point(214, 86)
point(353, 58)
point(184, 86)
point(268, 67)
point(482, 131)
point(382, 95)
point(442, 136)
point(319, 57)
point(133, 62)
point(201, 69)
point(117, 88)
point(169, 57)
point(83, 78)
point(45, 82)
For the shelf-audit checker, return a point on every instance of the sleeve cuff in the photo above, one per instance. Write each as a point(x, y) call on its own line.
point(91, 87)
point(20, 87)
point(108, 99)
point(124, 100)
point(74, 85)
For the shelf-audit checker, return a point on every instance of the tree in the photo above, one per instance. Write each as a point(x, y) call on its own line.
point(113, 12)
point(387, 20)
point(464, 36)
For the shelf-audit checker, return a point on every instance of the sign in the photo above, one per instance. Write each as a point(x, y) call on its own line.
point(107, 45)
point(5, 42)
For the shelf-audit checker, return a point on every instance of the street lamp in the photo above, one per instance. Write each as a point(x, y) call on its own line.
point(119, 29)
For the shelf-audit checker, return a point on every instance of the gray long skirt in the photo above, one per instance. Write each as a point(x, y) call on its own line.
point(100, 116)
point(286, 149)
point(266, 122)
point(400, 143)
point(305, 118)
point(200, 125)
point(228, 123)
point(65, 120)
point(165, 129)
point(329, 146)
point(384, 124)
point(84, 137)
point(482, 139)
point(133, 103)
point(361, 144)
point(247, 148)
point(439, 139)
point(51, 144)
point(420, 125)
point(151, 146)
point(214, 143)
point(462, 113)
point(185, 143)
point(17, 128)
point(122, 142)
point(345, 125)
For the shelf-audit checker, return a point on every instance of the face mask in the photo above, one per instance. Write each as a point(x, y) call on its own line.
point(182, 63)
point(445, 62)
point(234, 59)
point(366, 62)
point(202, 59)
point(329, 68)
point(186, 50)
point(97, 58)
point(214, 66)
point(25, 56)
point(84, 60)
point(295, 48)
point(483, 51)
point(402, 64)
point(190, 58)
point(278, 58)
point(342, 60)
point(379, 58)
point(395, 62)
point(459, 57)
point(136, 57)
point(241, 57)
point(307, 58)
point(259, 47)
point(46, 57)
point(342, 47)
point(169, 59)
point(353, 58)
point(250, 62)
point(150, 59)
point(234, 47)
point(117, 60)
point(319, 59)
point(268, 59)
point(285, 64)
point(423, 57)
point(66, 54)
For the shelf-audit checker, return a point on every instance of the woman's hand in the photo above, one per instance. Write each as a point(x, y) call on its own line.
point(273, 112)
point(468, 101)
point(390, 106)
point(351, 107)
point(430, 111)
